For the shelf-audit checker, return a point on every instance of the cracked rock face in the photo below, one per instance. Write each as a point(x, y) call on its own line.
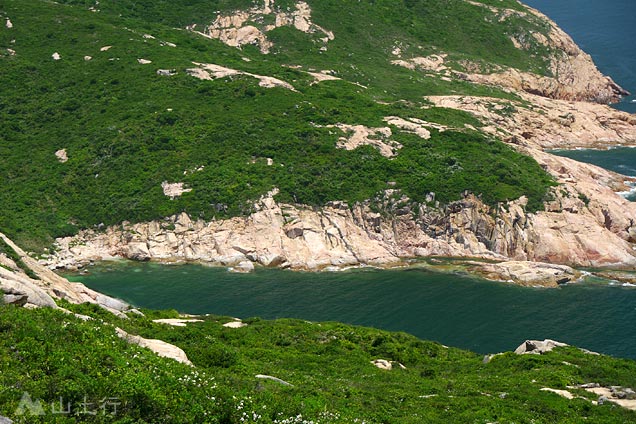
point(246, 27)
point(23, 290)
point(569, 231)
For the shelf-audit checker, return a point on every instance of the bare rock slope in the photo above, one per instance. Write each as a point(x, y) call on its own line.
point(42, 285)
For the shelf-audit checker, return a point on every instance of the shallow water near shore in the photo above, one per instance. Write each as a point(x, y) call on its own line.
point(452, 308)
point(617, 159)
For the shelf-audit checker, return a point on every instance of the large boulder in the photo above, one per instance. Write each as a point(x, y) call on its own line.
point(528, 273)
point(538, 347)
point(20, 290)
point(160, 347)
point(137, 251)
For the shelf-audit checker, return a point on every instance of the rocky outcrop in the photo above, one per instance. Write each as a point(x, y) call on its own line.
point(528, 273)
point(544, 123)
point(177, 322)
point(574, 71)
point(159, 347)
point(235, 324)
point(359, 135)
point(622, 396)
point(538, 347)
point(245, 27)
point(275, 235)
point(586, 224)
point(209, 71)
point(571, 73)
point(382, 364)
point(21, 289)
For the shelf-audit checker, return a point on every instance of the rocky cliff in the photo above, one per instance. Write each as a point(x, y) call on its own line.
point(24, 282)
point(572, 74)
point(585, 224)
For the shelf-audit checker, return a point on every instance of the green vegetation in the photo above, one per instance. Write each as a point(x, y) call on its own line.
point(126, 129)
point(8, 251)
point(52, 355)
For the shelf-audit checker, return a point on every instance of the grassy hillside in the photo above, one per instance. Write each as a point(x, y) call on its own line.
point(126, 129)
point(52, 355)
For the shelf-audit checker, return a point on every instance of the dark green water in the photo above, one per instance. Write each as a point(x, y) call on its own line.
point(454, 309)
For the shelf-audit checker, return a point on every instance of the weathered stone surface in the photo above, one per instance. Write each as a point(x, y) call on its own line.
point(16, 286)
point(138, 251)
point(16, 299)
point(238, 29)
point(244, 267)
point(176, 322)
point(383, 364)
point(528, 273)
point(539, 122)
point(235, 324)
point(538, 347)
point(49, 285)
point(160, 347)
point(611, 394)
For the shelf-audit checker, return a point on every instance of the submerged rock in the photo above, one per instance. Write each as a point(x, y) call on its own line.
point(528, 273)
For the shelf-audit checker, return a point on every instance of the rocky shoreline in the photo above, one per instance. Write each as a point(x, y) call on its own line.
point(584, 222)
point(584, 225)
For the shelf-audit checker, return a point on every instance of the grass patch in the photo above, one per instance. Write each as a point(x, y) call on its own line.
point(50, 354)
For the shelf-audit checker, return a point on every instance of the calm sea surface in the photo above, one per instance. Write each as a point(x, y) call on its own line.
point(453, 309)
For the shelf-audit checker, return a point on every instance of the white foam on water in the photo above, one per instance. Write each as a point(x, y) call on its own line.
point(629, 194)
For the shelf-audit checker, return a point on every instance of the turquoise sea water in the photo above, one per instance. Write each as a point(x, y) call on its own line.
point(454, 309)
point(604, 29)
